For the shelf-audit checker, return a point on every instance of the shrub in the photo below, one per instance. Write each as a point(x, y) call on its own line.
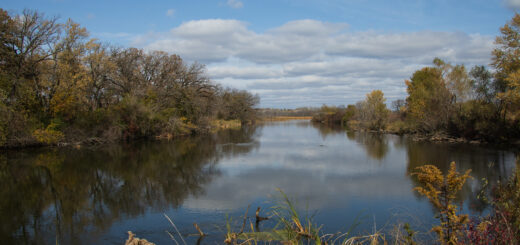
point(50, 135)
point(398, 127)
point(502, 226)
point(441, 190)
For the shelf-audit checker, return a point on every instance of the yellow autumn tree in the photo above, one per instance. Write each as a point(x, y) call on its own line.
point(375, 110)
point(506, 61)
point(69, 82)
point(429, 101)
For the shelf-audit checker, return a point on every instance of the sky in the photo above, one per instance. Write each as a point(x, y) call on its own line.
point(297, 53)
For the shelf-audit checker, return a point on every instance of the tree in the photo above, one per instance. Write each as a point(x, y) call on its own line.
point(429, 101)
point(482, 84)
point(459, 83)
point(238, 104)
point(506, 61)
point(397, 105)
point(374, 111)
point(350, 113)
point(66, 85)
point(100, 70)
point(506, 57)
point(25, 42)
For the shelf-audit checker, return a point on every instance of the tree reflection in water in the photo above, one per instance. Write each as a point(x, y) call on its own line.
point(72, 194)
point(67, 194)
point(487, 162)
point(374, 144)
point(490, 163)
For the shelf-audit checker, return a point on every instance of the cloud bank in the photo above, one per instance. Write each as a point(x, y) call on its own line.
point(310, 62)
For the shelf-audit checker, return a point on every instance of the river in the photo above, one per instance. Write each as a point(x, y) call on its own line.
point(343, 180)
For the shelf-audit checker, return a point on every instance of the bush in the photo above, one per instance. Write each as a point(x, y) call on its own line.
point(398, 127)
point(502, 226)
point(442, 190)
point(50, 135)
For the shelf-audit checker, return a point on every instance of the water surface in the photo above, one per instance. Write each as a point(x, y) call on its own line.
point(95, 195)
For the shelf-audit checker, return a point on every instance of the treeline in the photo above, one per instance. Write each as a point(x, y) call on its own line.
point(59, 85)
point(298, 112)
point(478, 103)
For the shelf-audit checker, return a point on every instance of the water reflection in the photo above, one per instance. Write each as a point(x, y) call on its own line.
point(75, 194)
point(327, 130)
point(70, 195)
point(341, 173)
point(375, 144)
point(485, 162)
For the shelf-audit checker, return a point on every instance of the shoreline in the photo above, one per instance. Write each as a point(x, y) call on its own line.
point(214, 127)
point(436, 137)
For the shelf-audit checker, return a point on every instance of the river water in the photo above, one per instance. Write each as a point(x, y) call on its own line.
point(343, 180)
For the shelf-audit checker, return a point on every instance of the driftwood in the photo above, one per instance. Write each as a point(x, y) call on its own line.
point(132, 240)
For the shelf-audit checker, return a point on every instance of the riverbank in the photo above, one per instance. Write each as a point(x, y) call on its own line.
point(400, 129)
point(80, 140)
point(431, 137)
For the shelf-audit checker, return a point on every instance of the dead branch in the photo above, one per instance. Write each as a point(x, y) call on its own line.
point(199, 230)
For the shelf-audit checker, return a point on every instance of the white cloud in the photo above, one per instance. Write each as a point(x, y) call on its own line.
point(513, 4)
point(250, 72)
point(170, 12)
point(236, 4)
point(309, 28)
point(310, 62)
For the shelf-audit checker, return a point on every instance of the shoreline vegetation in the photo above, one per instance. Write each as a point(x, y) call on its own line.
point(58, 86)
point(447, 102)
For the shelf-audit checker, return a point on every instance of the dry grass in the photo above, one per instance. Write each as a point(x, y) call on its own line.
point(226, 124)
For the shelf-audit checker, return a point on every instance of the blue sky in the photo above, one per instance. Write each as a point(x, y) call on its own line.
point(298, 52)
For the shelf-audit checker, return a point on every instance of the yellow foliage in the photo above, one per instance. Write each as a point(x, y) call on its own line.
point(224, 124)
point(442, 190)
point(49, 135)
